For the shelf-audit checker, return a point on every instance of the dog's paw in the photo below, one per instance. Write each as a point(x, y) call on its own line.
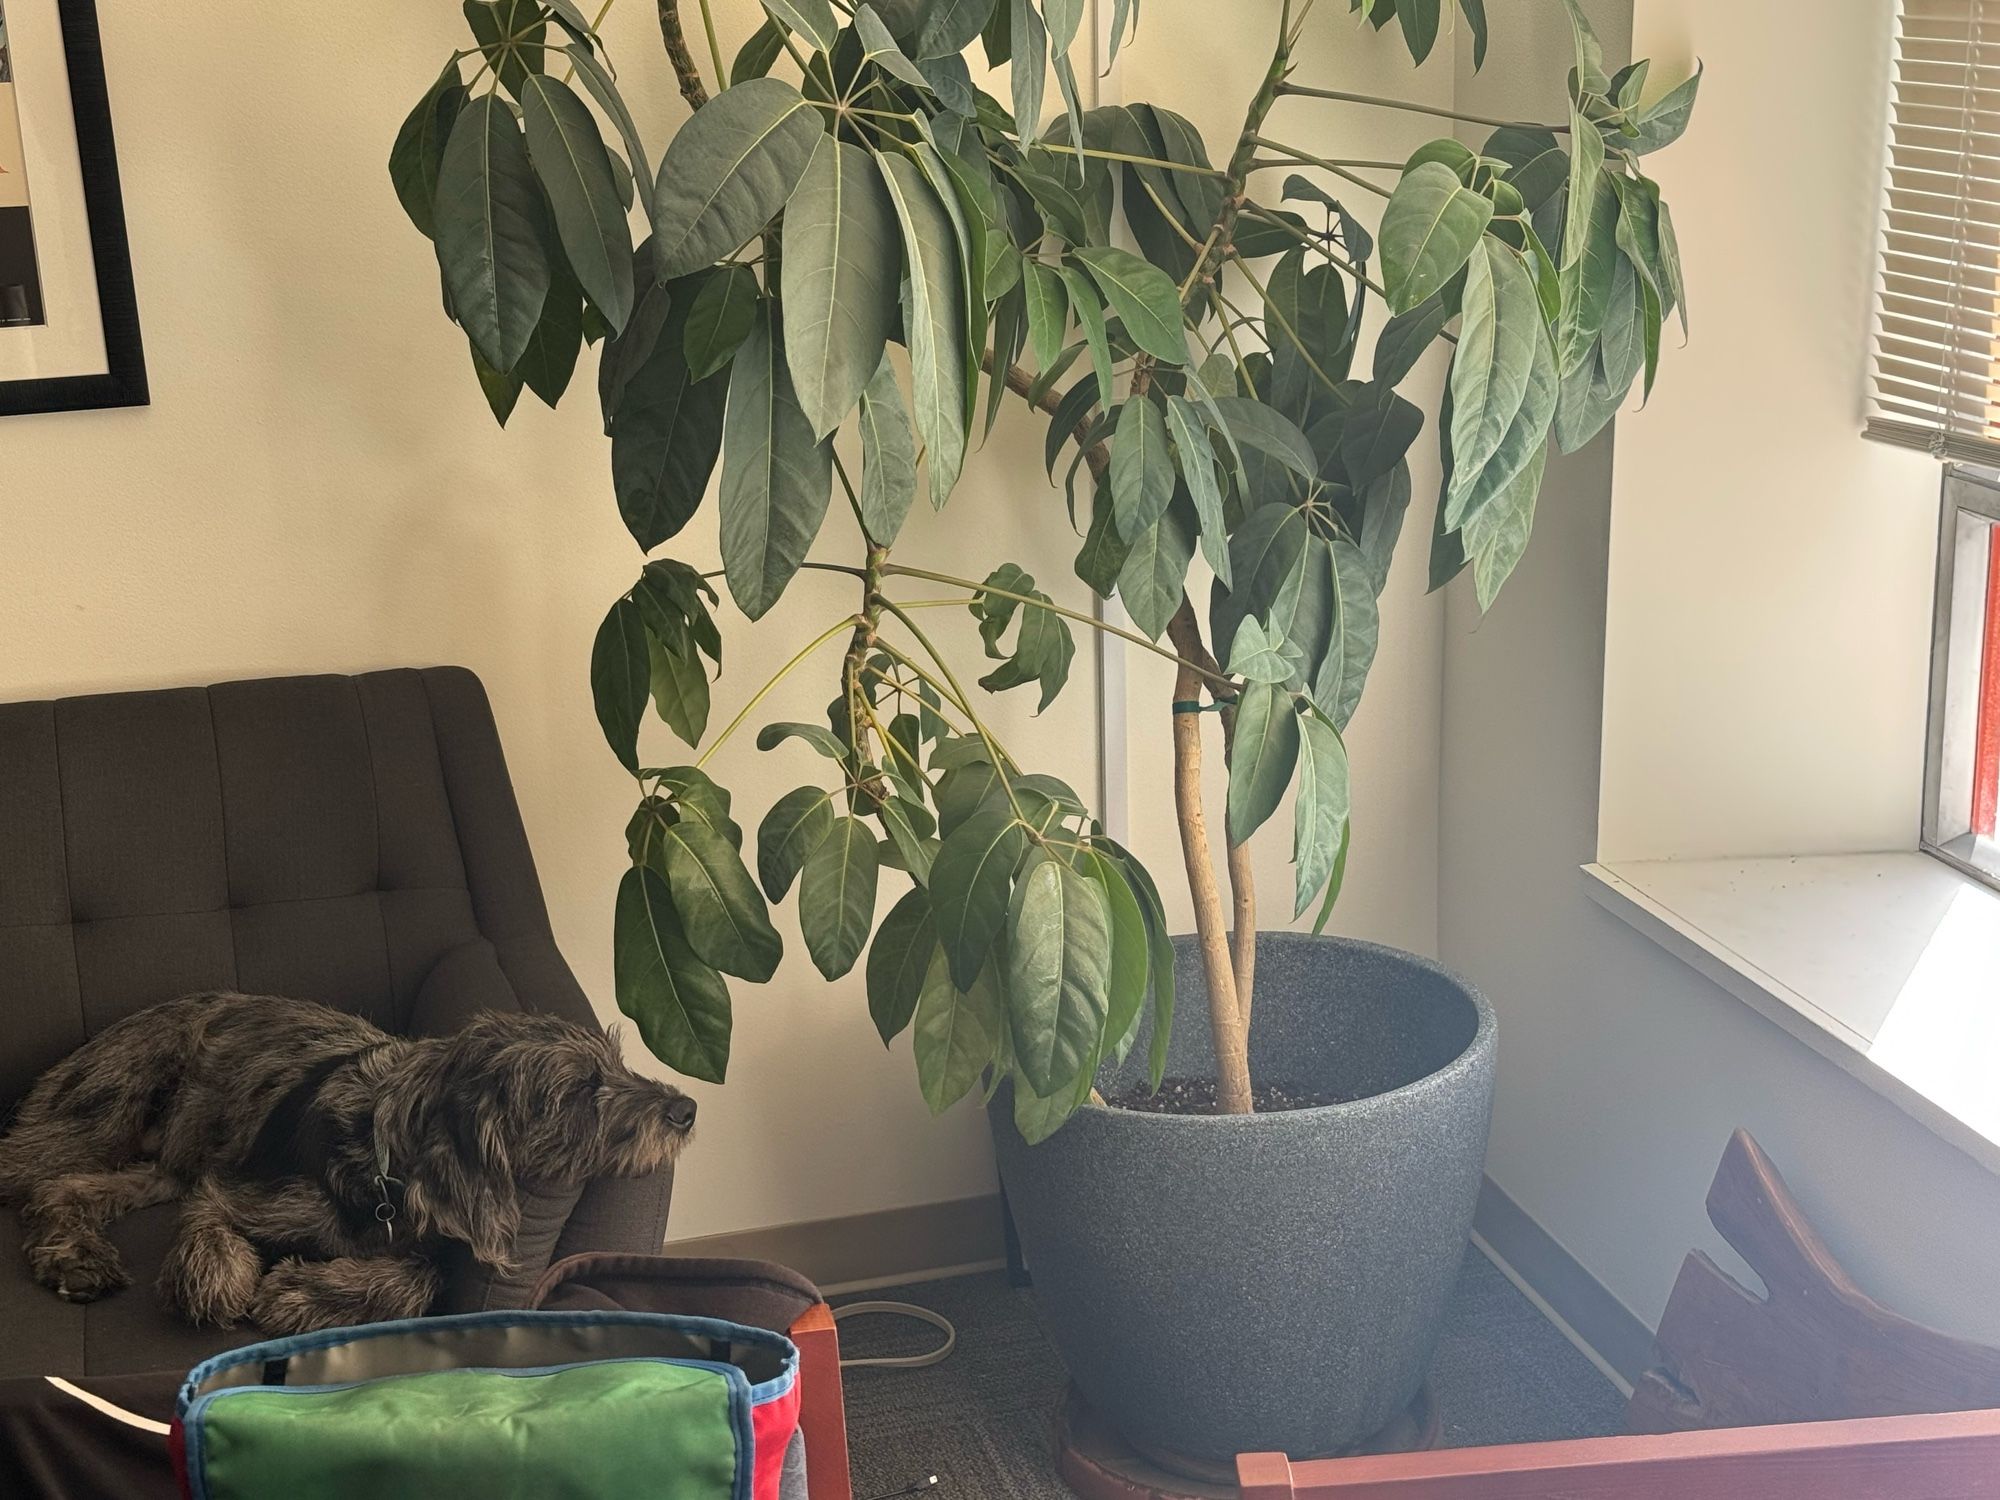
point(210, 1279)
point(290, 1299)
point(79, 1271)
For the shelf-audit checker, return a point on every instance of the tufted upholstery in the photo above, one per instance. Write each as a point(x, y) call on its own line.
point(331, 838)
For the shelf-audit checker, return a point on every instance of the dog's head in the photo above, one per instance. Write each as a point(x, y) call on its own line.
point(530, 1100)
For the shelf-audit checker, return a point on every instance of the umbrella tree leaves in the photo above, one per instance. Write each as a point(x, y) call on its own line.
point(799, 233)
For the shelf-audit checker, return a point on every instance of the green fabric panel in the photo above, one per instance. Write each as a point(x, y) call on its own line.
point(620, 1430)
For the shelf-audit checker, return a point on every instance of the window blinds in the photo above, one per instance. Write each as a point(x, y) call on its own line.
point(1937, 336)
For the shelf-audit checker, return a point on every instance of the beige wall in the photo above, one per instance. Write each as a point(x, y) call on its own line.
point(1770, 575)
point(1623, 1071)
point(1391, 890)
point(318, 486)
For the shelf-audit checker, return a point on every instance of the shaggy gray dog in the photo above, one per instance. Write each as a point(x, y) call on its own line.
point(324, 1166)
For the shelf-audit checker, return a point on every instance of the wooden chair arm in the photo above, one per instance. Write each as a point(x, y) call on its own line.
point(822, 1408)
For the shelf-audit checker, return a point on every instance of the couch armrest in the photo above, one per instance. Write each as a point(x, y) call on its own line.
point(822, 1407)
point(623, 1214)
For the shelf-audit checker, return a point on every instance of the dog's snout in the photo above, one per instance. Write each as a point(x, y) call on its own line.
point(681, 1113)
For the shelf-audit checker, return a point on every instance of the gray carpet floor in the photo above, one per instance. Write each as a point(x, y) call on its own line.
point(981, 1420)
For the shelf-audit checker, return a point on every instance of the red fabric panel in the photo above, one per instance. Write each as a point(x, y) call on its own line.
point(772, 1424)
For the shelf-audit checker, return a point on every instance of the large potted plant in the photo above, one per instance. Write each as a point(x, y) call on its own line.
point(847, 235)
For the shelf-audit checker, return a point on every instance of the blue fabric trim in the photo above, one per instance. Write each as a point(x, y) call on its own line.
point(327, 1338)
point(741, 1395)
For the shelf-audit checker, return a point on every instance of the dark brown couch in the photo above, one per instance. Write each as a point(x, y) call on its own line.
point(352, 840)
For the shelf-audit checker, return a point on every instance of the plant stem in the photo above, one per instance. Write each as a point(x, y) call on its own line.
point(1303, 92)
point(779, 676)
point(899, 570)
point(1000, 763)
point(1322, 163)
point(1313, 242)
point(680, 55)
point(1138, 161)
point(715, 48)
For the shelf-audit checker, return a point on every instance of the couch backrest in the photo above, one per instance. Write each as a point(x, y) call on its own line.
point(322, 837)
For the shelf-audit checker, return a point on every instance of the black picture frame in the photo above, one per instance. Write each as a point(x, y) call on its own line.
point(124, 381)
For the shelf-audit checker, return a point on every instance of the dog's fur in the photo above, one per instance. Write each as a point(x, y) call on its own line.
point(268, 1118)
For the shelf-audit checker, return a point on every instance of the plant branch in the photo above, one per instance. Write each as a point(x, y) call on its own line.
point(715, 48)
point(898, 569)
point(1303, 92)
point(681, 55)
point(849, 623)
point(1294, 154)
point(1000, 760)
point(1137, 161)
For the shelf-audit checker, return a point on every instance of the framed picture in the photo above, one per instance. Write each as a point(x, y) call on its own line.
point(69, 322)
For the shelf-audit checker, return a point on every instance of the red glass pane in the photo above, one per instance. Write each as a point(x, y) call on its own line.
point(1986, 765)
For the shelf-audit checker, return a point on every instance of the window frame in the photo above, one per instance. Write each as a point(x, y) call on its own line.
point(1975, 492)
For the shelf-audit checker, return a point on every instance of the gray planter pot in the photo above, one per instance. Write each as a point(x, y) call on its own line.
point(1228, 1284)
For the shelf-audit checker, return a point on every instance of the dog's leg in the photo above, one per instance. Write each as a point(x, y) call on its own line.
point(63, 1227)
point(210, 1273)
point(298, 1296)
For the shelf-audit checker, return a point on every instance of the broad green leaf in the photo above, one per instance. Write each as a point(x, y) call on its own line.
point(1586, 165)
point(575, 171)
point(679, 1003)
point(620, 677)
point(1063, 17)
point(720, 319)
point(878, 45)
point(719, 906)
point(1090, 318)
point(680, 688)
point(1379, 431)
point(822, 739)
point(1130, 951)
point(1357, 629)
point(1102, 556)
point(759, 54)
point(546, 365)
point(1029, 68)
point(888, 457)
point(915, 850)
point(419, 150)
point(1662, 124)
point(1475, 22)
point(934, 320)
point(1584, 405)
point(1497, 534)
point(1503, 385)
point(1430, 228)
point(898, 961)
point(968, 225)
point(1336, 880)
point(1261, 757)
point(591, 73)
point(1405, 337)
point(837, 896)
point(791, 830)
point(1154, 572)
point(950, 26)
point(1622, 346)
point(1143, 298)
point(956, 1033)
point(1259, 656)
point(1142, 470)
point(1670, 263)
point(1197, 466)
point(1420, 20)
point(511, 34)
point(777, 476)
point(1590, 77)
point(811, 19)
point(1384, 502)
point(1048, 311)
point(666, 428)
point(488, 223)
point(500, 388)
point(1259, 427)
point(840, 271)
point(729, 171)
point(1586, 281)
point(969, 885)
point(1267, 556)
point(623, 353)
point(1319, 812)
point(1056, 973)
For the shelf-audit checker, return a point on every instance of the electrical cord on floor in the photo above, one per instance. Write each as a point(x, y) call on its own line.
point(900, 1310)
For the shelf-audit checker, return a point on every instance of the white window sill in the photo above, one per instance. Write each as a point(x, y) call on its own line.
point(1886, 964)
